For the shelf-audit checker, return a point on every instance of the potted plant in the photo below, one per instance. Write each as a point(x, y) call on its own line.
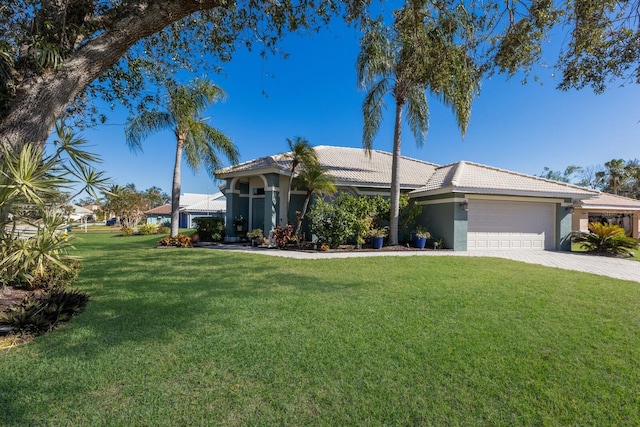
point(256, 236)
point(238, 222)
point(421, 236)
point(377, 236)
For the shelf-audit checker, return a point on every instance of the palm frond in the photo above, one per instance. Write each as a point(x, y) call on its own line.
point(139, 128)
point(418, 114)
point(203, 146)
point(372, 111)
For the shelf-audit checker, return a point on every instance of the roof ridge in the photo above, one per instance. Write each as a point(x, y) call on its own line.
point(539, 178)
point(457, 174)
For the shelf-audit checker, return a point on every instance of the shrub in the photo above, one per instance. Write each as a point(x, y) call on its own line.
point(180, 241)
point(42, 312)
point(146, 229)
point(329, 223)
point(255, 233)
point(605, 238)
point(164, 230)
point(283, 235)
point(127, 231)
point(54, 276)
point(210, 228)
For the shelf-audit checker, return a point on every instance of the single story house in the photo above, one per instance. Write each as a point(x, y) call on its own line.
point(608, 208)
point(468, 205)
point(192, 205)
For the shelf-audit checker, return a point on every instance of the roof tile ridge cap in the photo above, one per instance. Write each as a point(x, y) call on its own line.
point(539, 178)
point(457, 175)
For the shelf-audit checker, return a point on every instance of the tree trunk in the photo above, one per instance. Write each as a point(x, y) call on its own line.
point(303, 213)
point(395, 177)
point(40, 99)
point(175, 189)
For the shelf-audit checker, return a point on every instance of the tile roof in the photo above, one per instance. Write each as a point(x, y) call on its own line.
point(187, 199)
point(609, 201)
point(160, 210)
point(349, 166)
point(214, 203)
point(468, 177)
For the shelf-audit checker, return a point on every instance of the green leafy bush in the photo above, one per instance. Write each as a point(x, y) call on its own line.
point(605, 238)
point(53, 276)
point(39, 313)
point(210, 228)
point(146, 229)
point(180, 241)
point(127, 231)
point(164, 230)
point(331, 224)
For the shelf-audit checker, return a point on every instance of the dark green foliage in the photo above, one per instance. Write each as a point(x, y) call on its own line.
point(39, 313)
point(54, 276)
point(605, 238)
point(210, 228)
point(179, 241)
point(331, 224)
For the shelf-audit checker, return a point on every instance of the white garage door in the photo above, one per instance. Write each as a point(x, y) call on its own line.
point(510, 225)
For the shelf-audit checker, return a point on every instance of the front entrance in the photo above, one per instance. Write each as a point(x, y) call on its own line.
point(257, 213)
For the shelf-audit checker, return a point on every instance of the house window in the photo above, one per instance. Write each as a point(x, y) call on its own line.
point(258, 191)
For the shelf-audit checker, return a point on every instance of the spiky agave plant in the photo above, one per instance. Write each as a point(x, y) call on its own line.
point(605, 238)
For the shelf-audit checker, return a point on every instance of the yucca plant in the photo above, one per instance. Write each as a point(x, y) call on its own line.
point(605, 238)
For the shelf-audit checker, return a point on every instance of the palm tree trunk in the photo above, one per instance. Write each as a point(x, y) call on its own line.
point(286, 209)
point(303, 213)
point(395, 177)
point(175, 190)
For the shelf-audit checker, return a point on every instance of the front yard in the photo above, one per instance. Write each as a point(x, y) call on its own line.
point(204, 337)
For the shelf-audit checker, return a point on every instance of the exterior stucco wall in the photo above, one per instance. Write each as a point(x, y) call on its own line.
point(439, 220)
point(563, 226)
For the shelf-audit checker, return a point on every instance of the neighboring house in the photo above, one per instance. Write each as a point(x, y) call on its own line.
point(80, 213)
point(159, 215)
point(192, 206)
point(608, 208)
point(468, 205)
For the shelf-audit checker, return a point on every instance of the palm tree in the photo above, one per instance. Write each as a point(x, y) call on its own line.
point(196, 141)
point(301, 153)
point(616, 174)
point(314, 178)
point(415, 56)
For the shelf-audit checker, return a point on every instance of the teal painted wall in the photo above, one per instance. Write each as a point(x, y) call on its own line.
point(563, 227)
point(438, 219)
point(460, 227)
point(271, 202)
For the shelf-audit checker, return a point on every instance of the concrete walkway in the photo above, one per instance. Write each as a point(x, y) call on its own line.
point(601, 265)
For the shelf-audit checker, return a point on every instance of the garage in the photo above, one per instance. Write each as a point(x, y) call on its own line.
point(501, 225)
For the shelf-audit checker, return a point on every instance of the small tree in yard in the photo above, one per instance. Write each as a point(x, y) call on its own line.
point(605, 238)
point(315, 179)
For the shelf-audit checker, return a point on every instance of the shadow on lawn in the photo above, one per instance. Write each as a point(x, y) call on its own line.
point(149, 302)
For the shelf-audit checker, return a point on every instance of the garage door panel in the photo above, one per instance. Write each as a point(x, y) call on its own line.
point(503, 225)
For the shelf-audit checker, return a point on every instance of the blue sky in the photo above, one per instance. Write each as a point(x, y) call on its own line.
point(313, 94)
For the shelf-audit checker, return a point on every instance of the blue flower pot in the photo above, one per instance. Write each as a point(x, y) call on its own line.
point(377, 242)
point(420, 242)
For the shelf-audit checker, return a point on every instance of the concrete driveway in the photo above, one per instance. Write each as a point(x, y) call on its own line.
point(601, 265)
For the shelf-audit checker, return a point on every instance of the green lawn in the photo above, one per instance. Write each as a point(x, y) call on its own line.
point(202, 337)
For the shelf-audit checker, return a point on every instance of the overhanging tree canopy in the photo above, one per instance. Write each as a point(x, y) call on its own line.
point(56, 54)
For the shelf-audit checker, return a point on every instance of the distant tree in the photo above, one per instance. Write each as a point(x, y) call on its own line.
point(126, 203)
point(301, 153)
point(424, 51)
point(615, 174)
point(196, 141)
point(592, 177)
point(156, 197)
point(566, 176)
